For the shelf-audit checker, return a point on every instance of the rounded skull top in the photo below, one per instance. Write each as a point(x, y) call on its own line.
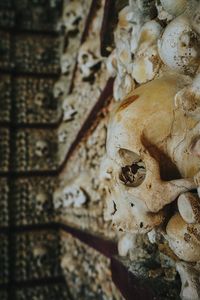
point(148, 154)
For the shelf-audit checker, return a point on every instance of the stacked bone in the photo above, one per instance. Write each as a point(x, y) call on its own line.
point(89, 72)
point(78, 198)
point(153, 153)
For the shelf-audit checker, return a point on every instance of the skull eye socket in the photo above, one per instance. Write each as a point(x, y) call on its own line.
point(85, 58)
point(133, 170)
point(70, 14)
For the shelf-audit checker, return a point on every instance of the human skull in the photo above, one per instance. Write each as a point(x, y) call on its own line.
point(66, 63)
point(39, 252)
point(68, 107)
point(179, 46)
point(69, 195)
point(39, 99)
point(41, 199)
point(89, 58)
point(59, 87)
point(72, 15)
point(148, 144)
point(73, 195)
point(41, 148)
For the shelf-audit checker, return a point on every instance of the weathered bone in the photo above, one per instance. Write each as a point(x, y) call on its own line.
point(140, 147)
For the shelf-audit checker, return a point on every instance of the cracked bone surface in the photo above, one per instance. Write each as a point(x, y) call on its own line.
point(147, 150)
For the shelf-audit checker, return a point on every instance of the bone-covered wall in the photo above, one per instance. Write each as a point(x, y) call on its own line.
point(141, 190)
point(52, 78)
point(151, 168)
point(99, 144)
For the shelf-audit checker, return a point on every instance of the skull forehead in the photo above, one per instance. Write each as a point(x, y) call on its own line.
point(149, 111)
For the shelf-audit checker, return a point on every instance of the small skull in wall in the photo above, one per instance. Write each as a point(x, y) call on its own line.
point(41, 148)
point(42, 200)
point(179, 46)
point(72, 15)
point(39, 99)
point(39, 253)
point(69, 196)
point(68, 107)
point(73, 195)
point(89, 59)
point(59, 88)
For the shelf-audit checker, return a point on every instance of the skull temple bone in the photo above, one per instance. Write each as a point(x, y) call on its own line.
point(150, 159)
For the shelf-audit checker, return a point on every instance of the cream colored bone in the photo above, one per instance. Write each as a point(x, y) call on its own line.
point(179, 46)
point(146, 129)
point(184, 238)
